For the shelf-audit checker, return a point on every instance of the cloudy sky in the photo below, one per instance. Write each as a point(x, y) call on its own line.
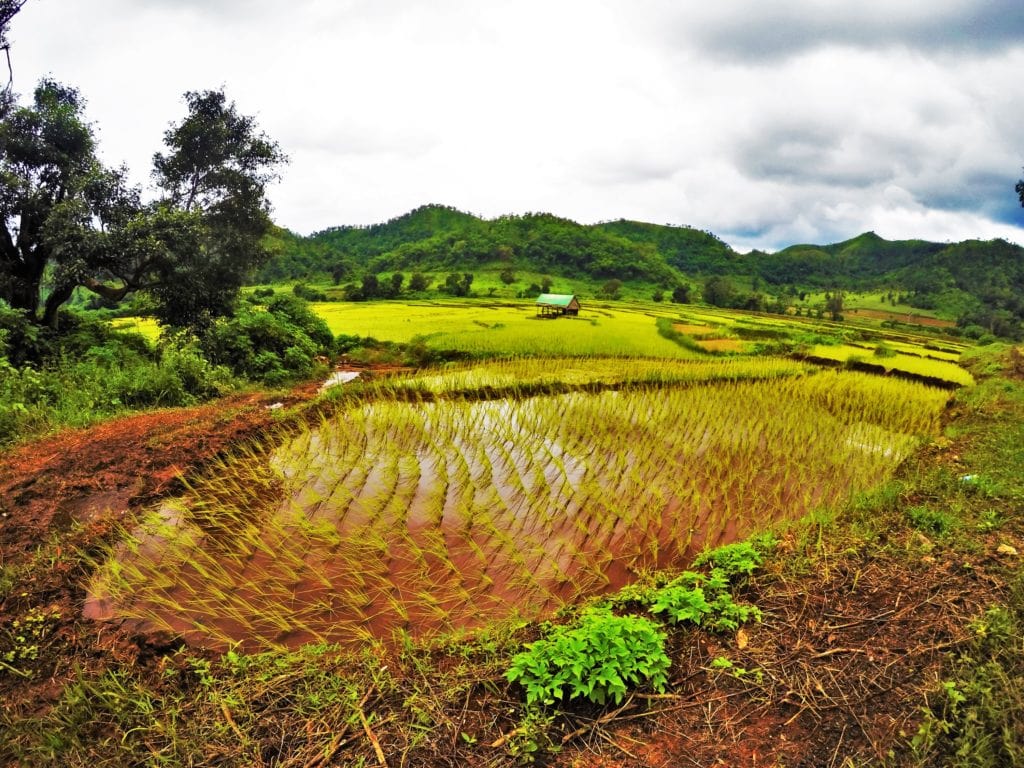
point(767, 123)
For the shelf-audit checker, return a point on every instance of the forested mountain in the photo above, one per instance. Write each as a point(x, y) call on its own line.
point(980, 281)
point(438, 238)
point(689, 250)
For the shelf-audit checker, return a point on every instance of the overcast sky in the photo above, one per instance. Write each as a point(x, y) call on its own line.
point(767, 123)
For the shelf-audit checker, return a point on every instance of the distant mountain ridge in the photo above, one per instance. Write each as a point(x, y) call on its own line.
point(983, 280)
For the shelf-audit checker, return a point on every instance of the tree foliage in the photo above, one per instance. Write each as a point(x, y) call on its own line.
point(66, 221)
point(8, 10)
point(214, 178)
point(834, 304)
point(719, 291)
point(441, 239)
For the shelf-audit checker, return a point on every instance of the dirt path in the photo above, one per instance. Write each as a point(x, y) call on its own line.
point(79, 475)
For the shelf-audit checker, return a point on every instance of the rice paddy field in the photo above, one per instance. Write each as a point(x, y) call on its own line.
point(146, 326)
point(507, 328)
point(569, 458)
point(467, 495)
point(906, 361)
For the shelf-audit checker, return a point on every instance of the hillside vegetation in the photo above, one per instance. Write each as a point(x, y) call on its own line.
point(979, 283)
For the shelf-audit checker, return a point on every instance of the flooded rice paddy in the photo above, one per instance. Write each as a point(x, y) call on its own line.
point(424, 517)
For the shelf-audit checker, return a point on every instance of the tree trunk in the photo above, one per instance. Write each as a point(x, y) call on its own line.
point(22, 292)
point(53, 304)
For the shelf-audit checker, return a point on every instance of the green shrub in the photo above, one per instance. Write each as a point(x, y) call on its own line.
point(884, 350)
point(597, 659)
point(271, 345)
point(699, 599)
point(308, 293)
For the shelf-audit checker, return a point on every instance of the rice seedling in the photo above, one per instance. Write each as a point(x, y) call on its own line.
point(421, 516)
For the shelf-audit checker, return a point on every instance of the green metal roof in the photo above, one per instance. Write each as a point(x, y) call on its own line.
point(556, 299)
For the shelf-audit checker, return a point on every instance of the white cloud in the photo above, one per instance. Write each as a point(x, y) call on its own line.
point(764, 123)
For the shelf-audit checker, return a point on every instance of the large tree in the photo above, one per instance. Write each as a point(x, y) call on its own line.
point(1020, 191)
point(8, 10)
point(66, 221)
point(214, 177)
point(719, 291)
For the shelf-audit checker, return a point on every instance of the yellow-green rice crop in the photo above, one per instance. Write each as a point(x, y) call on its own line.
point(528, 375)
point(507, 328)
point(939, 369)
point(425, 516)
point(147, 326)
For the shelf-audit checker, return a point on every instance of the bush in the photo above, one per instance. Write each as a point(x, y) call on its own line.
point(884, 350)
point(303, 291)
point(740, 558)
point(418, 282)
point(596, 659)
point(272, 346)
point(77, 388)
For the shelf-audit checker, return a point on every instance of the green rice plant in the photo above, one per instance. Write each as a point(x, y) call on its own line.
point(506, 505)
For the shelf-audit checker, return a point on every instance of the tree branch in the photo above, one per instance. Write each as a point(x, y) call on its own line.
point(108, 292)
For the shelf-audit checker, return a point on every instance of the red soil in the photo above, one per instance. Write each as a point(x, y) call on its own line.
point(80, 476)
point(901, 317)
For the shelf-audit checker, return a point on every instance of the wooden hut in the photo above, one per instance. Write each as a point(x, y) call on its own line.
point(556, 304)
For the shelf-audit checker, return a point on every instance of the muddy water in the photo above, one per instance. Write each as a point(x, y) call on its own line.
point(421, 518)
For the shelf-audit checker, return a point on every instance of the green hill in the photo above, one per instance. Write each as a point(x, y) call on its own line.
point(437, 238)
point(689, 250)
point(980, 282)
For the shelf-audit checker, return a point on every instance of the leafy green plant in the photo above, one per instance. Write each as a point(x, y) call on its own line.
point(681, 603)
point(596, 659)
point(989, 520)
point(739, 558)
point(974, 717)
point(20, 643)
point(726, 614)
point(702, 600)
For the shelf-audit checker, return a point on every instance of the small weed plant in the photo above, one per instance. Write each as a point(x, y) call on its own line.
point(974, 717)
point(20, 644)
point(936, 522)
point(728, 666)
